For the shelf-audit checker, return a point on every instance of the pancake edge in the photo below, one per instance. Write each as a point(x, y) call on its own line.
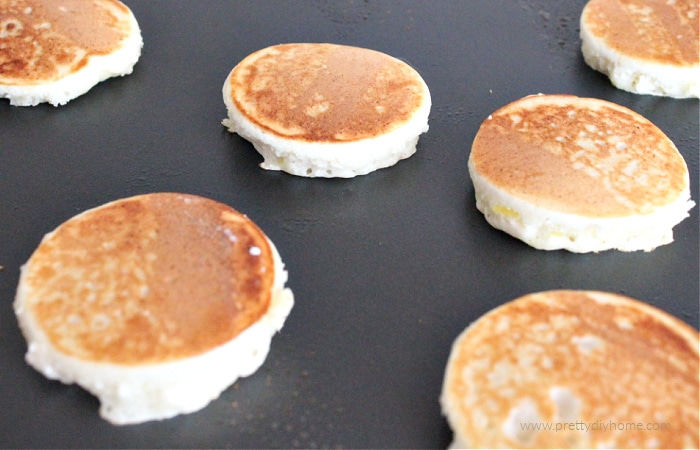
point(546, 229)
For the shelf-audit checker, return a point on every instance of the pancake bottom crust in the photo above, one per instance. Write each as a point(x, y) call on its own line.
point(56, 51)
point(581, 174)
point(574, 369)
point(644, 46)
point(326, 110)
point(154, 303)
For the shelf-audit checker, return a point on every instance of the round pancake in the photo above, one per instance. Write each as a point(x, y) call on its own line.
point(574, 369)
point(559, 171)
point(644, 46)
point(315, 92)
point(121, 296)
point(55, 51)
point(326, 104)
point(149, 279)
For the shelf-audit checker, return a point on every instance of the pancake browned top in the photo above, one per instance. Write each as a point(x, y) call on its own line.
point(325, 92)
point(657, 31)
point(45, 40)
point(575, 357)
point(580, 156)
point(147, 279)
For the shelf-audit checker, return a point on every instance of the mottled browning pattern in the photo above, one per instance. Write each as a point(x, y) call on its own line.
point(622, 363)
point(660, 31)
point(325, 92)
point(44, 40)
point(150, 279)
point(579, 156)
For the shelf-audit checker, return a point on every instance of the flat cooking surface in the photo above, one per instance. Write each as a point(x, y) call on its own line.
point(387, 268)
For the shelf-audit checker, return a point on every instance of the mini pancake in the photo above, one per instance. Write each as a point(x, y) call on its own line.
point(581, 174)
point(55, 51)
point(326, 110)
point(574, 369)
point(154, 303)
point(644, 46)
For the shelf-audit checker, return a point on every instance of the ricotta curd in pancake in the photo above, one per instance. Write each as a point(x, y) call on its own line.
point(581, 174)
point(644, 46)
point(326, 110)
point(154, 303)
point(574, 369)
point(56, 50)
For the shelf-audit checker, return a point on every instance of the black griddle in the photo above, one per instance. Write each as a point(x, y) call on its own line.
point(387, 268)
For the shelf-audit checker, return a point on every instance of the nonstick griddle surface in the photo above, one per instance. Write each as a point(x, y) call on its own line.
point(387, 268)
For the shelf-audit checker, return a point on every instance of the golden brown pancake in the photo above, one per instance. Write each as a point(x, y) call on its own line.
point(579, 156)
point(155, 303)
point(560, 171)
point(659, 31)
point(54, 51)
point(644, 46)
point(149, 279)
point(54, 36)
point(574, 369)
point(325, 92)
